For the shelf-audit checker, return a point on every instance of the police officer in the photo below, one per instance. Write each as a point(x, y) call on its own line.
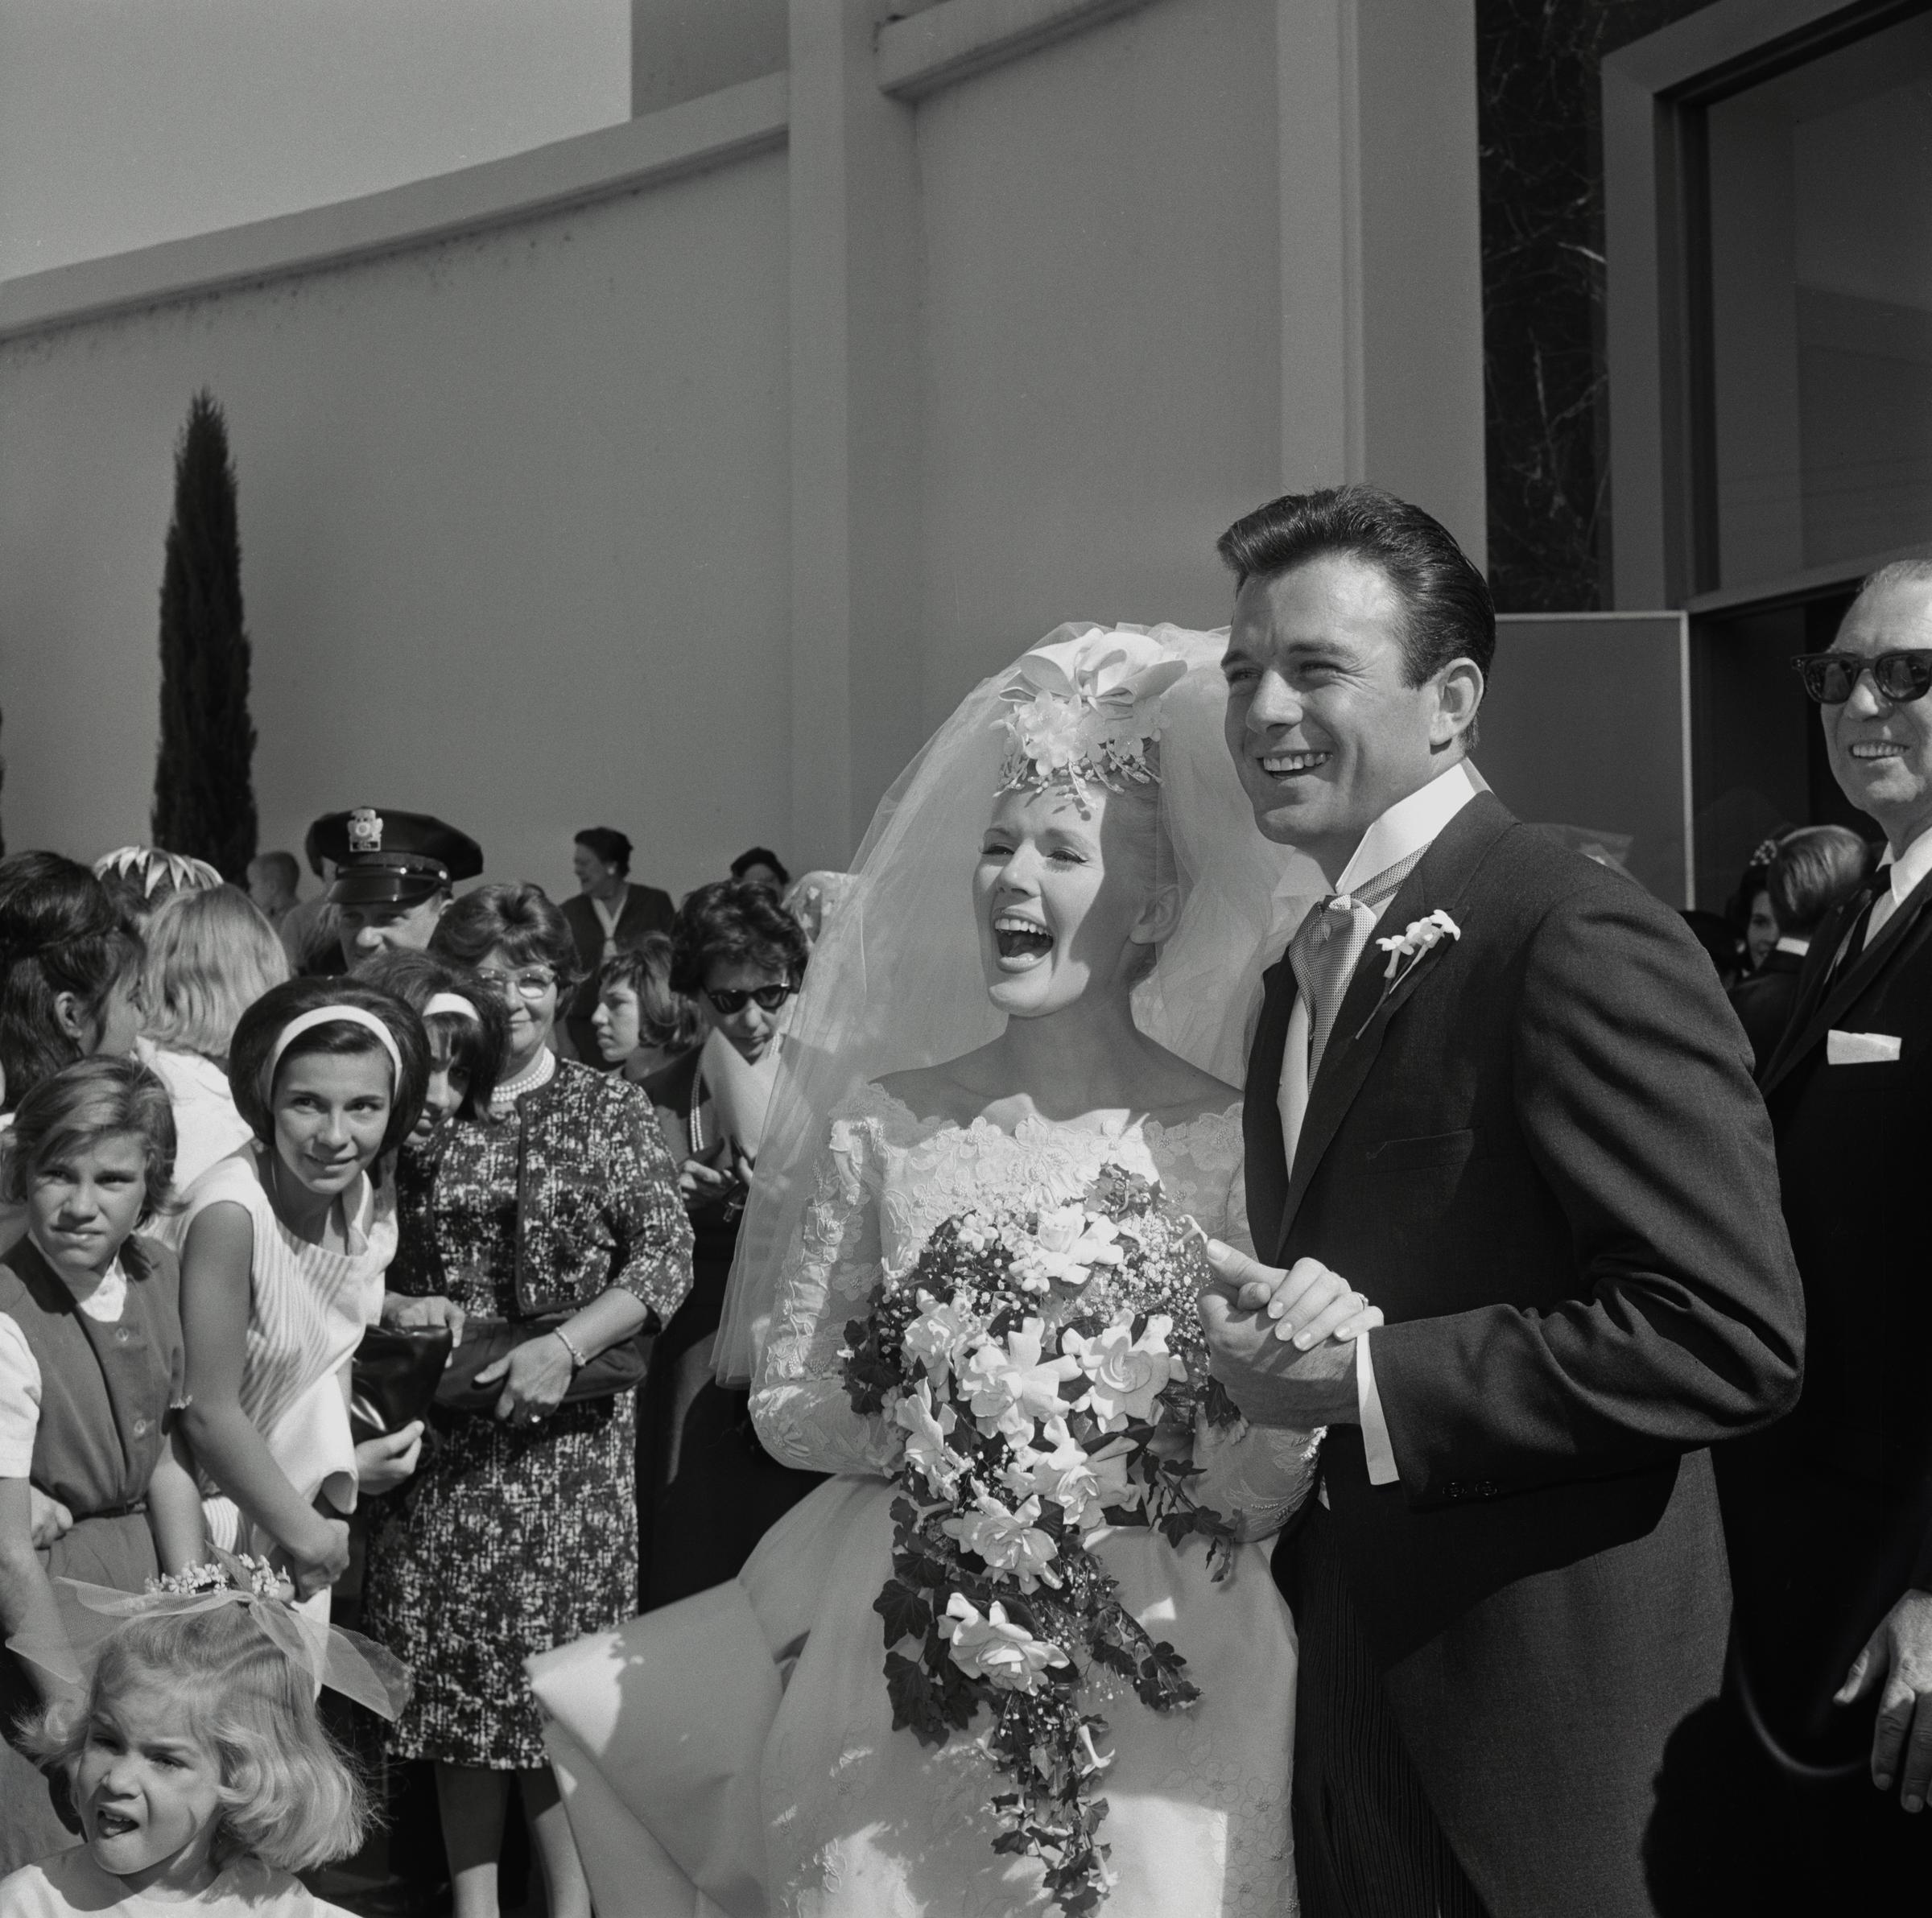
point(393, 875)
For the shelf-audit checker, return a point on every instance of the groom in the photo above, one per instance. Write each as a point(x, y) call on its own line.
point(1527, 1132)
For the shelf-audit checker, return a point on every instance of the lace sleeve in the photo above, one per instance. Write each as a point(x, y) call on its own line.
point(798, 1401)
point(1257, 1476)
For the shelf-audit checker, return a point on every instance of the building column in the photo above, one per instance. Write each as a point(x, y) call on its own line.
point(1381, 253)
point(855, 429)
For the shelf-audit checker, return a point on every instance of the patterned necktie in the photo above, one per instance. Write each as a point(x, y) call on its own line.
point(1325, 952)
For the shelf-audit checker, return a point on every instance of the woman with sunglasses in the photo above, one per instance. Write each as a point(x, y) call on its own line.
point(556, 1211)
point(706, 1489)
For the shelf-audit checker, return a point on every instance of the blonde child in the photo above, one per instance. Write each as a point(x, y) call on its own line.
point(201, 1776)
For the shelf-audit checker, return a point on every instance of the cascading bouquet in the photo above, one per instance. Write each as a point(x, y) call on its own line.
point(1047, 1370)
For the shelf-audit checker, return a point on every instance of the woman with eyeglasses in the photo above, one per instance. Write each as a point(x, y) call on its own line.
point(555, 1214)
point(708, 1490)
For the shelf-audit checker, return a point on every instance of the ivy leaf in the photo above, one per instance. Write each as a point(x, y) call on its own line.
point(905, 1612)
point(915, 1704)
point(1011, 1844)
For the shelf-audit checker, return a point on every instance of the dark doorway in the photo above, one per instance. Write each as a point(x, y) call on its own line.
point(1757, 752)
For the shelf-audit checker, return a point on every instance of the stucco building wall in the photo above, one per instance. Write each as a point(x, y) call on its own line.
point(680, 477)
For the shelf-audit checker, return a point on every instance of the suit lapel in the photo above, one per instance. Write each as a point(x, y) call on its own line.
point(1438, 880)
point(1812, 1022)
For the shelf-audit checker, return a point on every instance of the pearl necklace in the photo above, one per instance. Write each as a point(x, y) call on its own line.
point(539, 1072)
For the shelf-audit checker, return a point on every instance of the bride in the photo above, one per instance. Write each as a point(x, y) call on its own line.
point(1082, 1000)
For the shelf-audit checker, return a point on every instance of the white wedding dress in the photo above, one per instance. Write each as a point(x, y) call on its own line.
point(863, 1821)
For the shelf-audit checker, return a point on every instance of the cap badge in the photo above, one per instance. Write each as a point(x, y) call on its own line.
point(365, 829)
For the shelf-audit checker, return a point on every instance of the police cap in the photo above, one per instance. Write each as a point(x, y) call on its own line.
point(384, 857)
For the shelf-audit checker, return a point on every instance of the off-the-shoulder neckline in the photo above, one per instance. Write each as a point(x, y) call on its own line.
point(876, 1096)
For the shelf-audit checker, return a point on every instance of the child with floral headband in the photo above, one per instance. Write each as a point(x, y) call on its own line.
point(194, 1761)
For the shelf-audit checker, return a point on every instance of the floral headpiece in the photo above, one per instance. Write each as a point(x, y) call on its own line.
point(152, 867)
point(345, 1661)
point(1086, 707)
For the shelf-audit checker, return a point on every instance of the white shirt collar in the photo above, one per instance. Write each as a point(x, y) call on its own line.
point(1910, 867)
point(1411, 823)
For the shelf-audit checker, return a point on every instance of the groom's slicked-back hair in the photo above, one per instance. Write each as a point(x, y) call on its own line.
point(1450, 615)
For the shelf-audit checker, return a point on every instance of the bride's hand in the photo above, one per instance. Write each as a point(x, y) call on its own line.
point(1308, 1302)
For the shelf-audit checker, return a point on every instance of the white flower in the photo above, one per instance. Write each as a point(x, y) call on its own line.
point(1421, 936)
point(1082, 1484)
point(938, 1335)
point(1005, 1655)
point(926, 1435)
point(1011, 1384)
point(1069, 1242)
point(1127, 1374)
point(1009, 1541)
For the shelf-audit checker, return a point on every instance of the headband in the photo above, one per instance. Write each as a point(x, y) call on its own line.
point(345, 1661)
point(330, 1015)
point(453, 1003)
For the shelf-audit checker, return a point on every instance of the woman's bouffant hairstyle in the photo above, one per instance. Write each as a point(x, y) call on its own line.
point(761, 856)
point(1816, 867)
point(288, 1794)
point(210, 956)
point(474, 1047)
point(666, 1019)
point(262, 1025)
point(81, 1105)
point(520, 921)
point(1447, 611)
point(733, 922)
point(59, 933)
point(607, 843)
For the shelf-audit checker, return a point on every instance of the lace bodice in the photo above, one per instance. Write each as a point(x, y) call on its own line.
point(887, 1178)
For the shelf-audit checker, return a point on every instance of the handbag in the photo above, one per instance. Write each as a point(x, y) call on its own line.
point(620, 1368)
point(393, 1377)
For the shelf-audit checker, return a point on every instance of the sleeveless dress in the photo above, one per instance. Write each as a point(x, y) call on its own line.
point(109, 1393)
point(308, 1308)
point(792, 1794)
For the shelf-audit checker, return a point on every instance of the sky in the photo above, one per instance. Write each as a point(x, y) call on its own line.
point(127, 122)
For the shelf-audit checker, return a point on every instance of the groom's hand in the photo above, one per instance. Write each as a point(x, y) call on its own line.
point(1898, 1657)
point(1296, 1369)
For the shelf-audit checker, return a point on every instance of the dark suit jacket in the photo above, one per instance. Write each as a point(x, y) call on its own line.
point(1763, 1003)
point(646, 909)
point(1543, 1157)
point(1831, 1514)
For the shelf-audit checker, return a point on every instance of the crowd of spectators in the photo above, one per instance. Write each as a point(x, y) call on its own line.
point(389, 1198)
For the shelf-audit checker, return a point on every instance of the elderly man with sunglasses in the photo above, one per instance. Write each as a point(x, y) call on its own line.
point(1830, 1512)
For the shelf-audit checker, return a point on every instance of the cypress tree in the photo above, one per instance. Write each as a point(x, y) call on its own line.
point(204, 799)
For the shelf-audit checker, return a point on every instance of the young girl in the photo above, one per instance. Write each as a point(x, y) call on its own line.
point(286, 1243)
point(199, 1769)
point(91, 1376)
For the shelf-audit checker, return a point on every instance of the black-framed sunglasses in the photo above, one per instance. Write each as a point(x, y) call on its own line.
point(731, 999)
point(1901, 677)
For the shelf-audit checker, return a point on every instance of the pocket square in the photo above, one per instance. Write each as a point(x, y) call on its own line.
point(1860, 1048)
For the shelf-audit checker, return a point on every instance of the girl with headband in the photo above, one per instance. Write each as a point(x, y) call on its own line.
point(284, 1245)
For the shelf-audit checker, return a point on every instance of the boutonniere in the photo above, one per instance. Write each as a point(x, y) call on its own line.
point(1405, 951)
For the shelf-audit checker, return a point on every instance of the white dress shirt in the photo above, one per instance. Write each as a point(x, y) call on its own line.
point(1907, 870)
point(1407, 827)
